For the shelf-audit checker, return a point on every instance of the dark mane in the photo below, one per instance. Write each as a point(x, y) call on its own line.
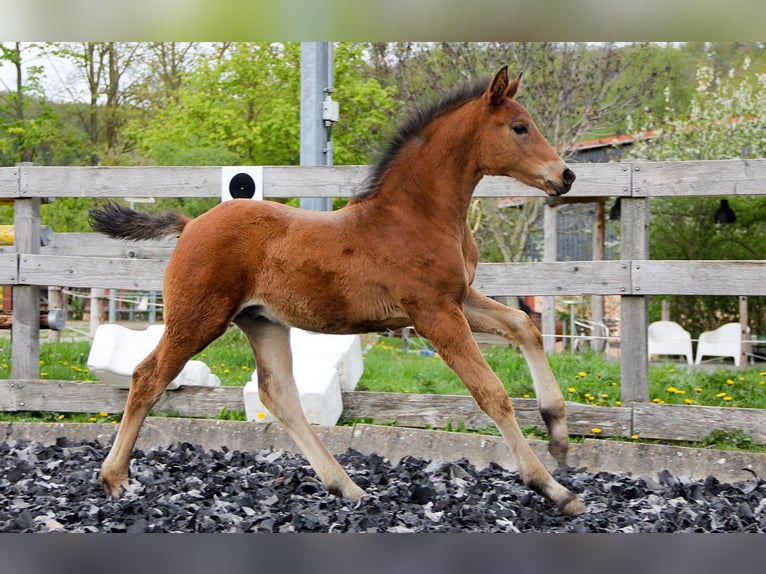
point(414, 125)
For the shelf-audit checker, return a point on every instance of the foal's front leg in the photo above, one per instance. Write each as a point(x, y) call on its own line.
point(447, 329)
point(486, 315)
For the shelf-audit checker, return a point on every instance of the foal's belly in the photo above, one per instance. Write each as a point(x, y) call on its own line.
point(329, 319)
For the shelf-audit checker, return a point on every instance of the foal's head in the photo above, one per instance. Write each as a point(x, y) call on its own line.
point(512, 145)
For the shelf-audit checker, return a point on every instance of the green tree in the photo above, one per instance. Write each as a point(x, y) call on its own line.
point(725, 120)
point(106, 70)
point(366, 107)
point(238, 105)
point(31, 127)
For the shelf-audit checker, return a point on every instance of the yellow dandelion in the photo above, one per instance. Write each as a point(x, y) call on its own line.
point(5, 366)
point(729, 382)
point(44, 374)
point(572, 390)
point(727, 398)
point(261, 415)
point(720, 395)
point(582, 374)
point(245, 368)
point(103, 414)
point(61, 417)
point(657, 400)
point(618, 403)
point(634, 436)
point(92, 419)
point(604, 396)
point(689, 401)
point(226, 371)
point(595, 430)
point(698, 390)
point(525, 396)
point(762, 373)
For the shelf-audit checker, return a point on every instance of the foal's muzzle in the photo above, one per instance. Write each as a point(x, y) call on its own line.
point(567, 179)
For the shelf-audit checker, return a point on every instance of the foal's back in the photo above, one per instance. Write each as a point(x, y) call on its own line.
point(320, 271)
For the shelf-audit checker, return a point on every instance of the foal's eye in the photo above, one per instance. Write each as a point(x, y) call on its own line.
point(520, 129)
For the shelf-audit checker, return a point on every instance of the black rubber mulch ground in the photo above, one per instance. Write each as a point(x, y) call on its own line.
point(186, 489)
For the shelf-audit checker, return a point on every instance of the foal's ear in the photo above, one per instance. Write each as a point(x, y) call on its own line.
point(501, 87)
point(513, 87)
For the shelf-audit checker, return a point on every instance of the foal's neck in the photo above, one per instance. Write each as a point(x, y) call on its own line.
point(436, 172)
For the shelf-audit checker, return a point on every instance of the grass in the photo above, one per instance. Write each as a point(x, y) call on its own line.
point(587, 377)
point(229, 357)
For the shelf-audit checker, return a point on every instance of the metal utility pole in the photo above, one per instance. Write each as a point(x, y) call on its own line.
point(318, 112)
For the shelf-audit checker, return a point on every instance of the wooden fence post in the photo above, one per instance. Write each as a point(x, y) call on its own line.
point(548, 318)
point(597, 301)
point(25, 331)
point(634, 357)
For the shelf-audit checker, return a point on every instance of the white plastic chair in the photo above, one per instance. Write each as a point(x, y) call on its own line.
point(725, 341)
point(593, 332)
point(670, 338)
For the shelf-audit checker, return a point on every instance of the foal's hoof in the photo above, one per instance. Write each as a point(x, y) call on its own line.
point(354, 493)
point(558, 451)
point(349, 490)
point(572, 506)
point(114, 487)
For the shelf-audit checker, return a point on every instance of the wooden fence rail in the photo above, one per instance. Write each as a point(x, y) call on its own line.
point(647, 420)
point(88, 260)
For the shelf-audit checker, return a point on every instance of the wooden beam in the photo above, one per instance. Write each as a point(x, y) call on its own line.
point(25, 331)
point(664, 422)
point(634, 309)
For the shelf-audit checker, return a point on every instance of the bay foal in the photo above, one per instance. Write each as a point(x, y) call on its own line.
point(399, 254)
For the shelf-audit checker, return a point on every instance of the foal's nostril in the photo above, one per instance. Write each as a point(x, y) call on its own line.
point(568, 176)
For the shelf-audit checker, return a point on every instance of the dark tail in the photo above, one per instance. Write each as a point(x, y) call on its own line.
point(121, 222)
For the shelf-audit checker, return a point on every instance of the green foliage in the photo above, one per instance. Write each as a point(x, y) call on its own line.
point(239, 108)
point(227, 415)
point(54, 417)
point(728, 439)
point(366, 107)
point(724, 121)
point(587, 377)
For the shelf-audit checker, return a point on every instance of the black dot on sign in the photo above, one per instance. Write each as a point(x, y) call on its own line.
point(242, 186)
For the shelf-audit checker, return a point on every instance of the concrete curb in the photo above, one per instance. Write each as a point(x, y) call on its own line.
point(394, 443)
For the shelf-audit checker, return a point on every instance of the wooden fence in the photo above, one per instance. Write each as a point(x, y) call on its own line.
point(97, 262)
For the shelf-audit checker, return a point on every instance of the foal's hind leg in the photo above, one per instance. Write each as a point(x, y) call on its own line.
point(447, 329)
point(150, 379)
point(279, 394)
point(488, 316)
